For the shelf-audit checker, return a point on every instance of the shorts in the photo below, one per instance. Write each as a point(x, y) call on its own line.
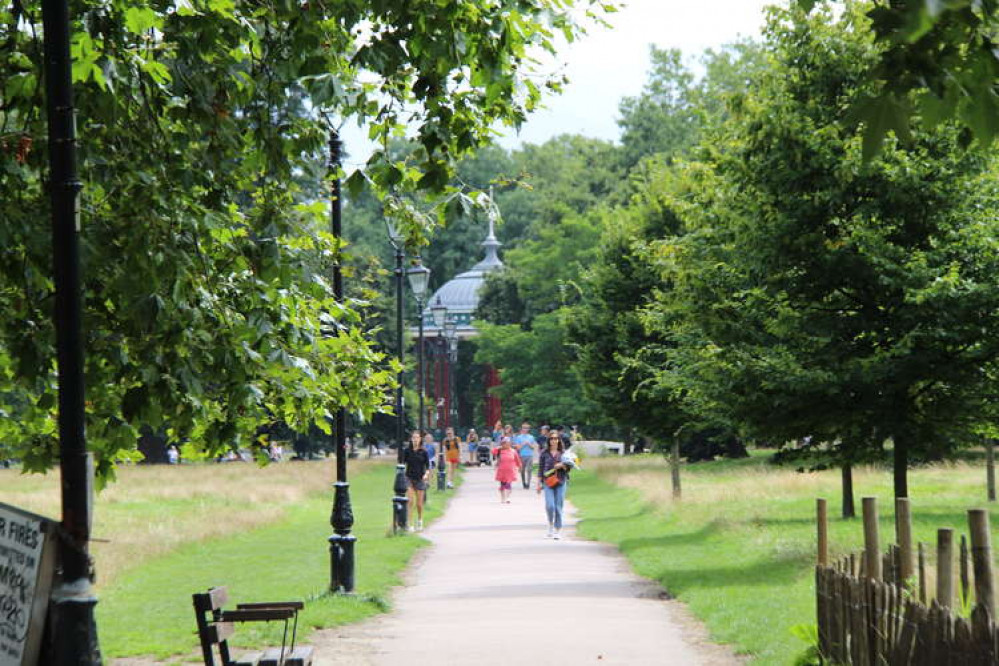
point(473, 447)
point(453, 456)
point(417, 484)
point(506, 485)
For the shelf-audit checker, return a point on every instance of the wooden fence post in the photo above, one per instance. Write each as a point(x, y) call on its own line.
point(872, 560)
point(945, 567)
point(903, 535)
point(823, 528)
point(922, 573)
point(981, 560)
point(990, 468)
point(965, 579)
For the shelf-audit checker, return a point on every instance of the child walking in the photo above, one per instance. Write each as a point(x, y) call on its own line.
point(507, 465)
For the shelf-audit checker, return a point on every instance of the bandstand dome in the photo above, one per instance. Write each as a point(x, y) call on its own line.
point(461, 293)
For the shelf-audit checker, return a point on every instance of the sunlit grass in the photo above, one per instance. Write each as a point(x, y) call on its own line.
point(739, 548)
point(262, 532)
point(151, 509)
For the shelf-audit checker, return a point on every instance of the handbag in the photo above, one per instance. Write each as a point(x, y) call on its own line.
point(552, 480)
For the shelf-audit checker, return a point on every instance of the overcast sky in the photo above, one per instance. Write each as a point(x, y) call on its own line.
point(608, 64)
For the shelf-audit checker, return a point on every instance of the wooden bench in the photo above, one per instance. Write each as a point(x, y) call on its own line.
point(215, 626)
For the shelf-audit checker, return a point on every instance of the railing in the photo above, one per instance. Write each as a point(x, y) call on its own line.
point(872, 608)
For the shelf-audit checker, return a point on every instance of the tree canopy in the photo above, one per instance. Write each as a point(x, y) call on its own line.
point(816, 294)
point(203, 135)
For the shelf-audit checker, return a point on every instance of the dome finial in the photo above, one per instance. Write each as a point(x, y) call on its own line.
point(491, 261)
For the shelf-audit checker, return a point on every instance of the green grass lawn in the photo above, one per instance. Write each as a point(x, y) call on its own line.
point(147, 609)
point(739, 549)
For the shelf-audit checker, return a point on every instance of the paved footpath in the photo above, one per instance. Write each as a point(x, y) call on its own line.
point(493, 590)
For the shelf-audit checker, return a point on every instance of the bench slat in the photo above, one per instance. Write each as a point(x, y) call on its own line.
point(214, 599)
point(272, 657)
point(219, 597)
point(296, 605)
point(256, 615)
point(249, 659)
point(219, 631)
point(300, 656)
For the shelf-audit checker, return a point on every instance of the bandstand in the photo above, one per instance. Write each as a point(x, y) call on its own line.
point(447, 322)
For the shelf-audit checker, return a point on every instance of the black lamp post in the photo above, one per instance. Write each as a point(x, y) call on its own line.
point(419, 280)
point(451, 334)
point(439, 313)
point(342, 518)
point(73, 627)
point(400, 503)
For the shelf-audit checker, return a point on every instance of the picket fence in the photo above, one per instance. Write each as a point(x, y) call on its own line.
point(873, 609)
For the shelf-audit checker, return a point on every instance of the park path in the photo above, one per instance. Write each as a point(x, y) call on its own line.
point(493, 590)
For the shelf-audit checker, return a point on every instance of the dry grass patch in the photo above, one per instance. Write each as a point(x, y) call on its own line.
point(152, 509)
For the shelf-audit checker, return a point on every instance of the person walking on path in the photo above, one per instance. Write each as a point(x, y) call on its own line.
point(525, 445)
point(431, 446)
point(417, 470)
point(552, 476)
point(498, 432)
point(507, 463)
point(472, 441)
point(543, 438)
point(452, 455)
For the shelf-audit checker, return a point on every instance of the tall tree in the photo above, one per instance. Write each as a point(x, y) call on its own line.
point(205, 259)
point(818, 294)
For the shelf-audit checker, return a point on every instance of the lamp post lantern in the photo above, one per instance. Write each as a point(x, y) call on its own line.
point(438, 311)
point(400, 503)
point(419, 280)
point(342, 518)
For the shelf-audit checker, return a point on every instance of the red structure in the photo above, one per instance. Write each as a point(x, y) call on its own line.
point(493, 407)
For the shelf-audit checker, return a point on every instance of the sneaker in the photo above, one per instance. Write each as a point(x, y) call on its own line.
point(450, 485)
point(551, 532)
point(410, 529)
point(419, 525)
point(557, 535)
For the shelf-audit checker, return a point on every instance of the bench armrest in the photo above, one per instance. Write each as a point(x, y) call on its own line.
point(256, 615)
point(294, 605)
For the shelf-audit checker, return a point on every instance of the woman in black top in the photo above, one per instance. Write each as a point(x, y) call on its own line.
point(417, 469)
point(550, 465)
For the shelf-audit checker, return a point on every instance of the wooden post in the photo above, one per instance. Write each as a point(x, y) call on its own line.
point(981, 560)
point(965, 580)
point(945, 567)
point(674, 459)
point(922, 573)
point(823, 535)
point(872, 560)
point(903, 534)
point(990, 468)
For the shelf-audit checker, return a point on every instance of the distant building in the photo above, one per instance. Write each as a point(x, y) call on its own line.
point(460, 295)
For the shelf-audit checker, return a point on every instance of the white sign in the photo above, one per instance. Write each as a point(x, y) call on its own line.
point(25, 579)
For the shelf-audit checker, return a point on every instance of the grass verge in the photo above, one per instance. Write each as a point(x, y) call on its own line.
point(262, 532)
point(739, 549)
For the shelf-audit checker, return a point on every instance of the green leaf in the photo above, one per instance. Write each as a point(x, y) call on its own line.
point(141, 19)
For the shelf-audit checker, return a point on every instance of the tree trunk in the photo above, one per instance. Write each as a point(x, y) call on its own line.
point(629, 441)
point(900, 466)
point(848, 508)
point(675, 468)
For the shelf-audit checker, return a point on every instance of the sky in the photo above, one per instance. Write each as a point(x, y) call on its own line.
point(607, 64)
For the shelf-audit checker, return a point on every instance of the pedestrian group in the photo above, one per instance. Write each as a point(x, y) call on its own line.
point(514, 456)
